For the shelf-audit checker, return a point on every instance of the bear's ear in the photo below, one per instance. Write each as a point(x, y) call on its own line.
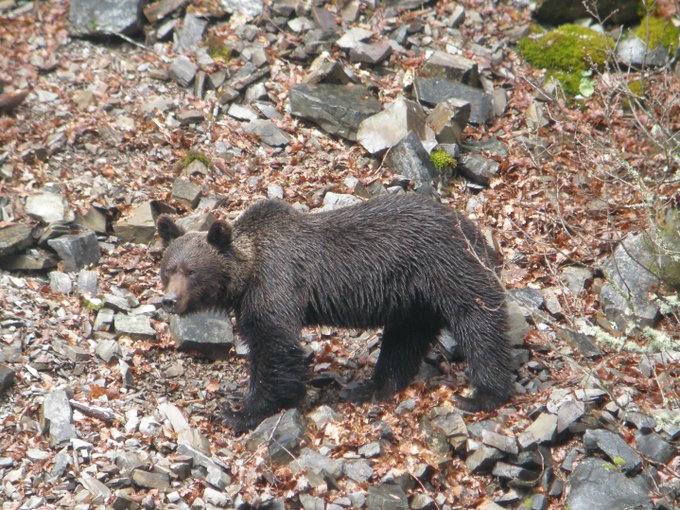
point(219, 235)
point(168, 229)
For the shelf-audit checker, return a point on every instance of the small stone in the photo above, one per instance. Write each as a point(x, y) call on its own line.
point(642, 422)
point(103, 321)
point(87, 282)
point(182, 70)
point(614, 447)
point(332, 201)
point(477, 168)
point(150, 480)
point(216, 498)
point(77, 250)
point(282, 433)
point(267, 131)
point(322, 415)
point(210, 333)
point(186, 117)
point(503, 443)
point(372, 449)
point(432, 91)
point(55, 417)
point(190, 34)
point(452, 67)
point(654, 447)
point(76, 354)
point(358, 470)
point(540, 431)
point(241, 112)
point(568, 413)
point(60, 282)
point(386, 497)
point(186, 192)
point(49, 208)
point(370, 53)
point(135, 326)
point(104, 18)
point(409, 158)
point(482, 459)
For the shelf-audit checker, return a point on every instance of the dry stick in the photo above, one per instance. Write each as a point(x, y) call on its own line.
point(101, 413)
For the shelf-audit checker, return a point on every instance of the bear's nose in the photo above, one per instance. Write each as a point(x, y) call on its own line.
point(169, 301)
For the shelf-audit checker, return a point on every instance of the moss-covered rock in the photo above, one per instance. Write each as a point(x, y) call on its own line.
point(655, 31)
point(442, 159)
point(566, 53)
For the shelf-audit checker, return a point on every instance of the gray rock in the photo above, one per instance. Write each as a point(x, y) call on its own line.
point(445, 428)
point(337, 109)
point(386, 497)
point(643, 422)
point(542, 430)
point(630, 278)
point(372, 449)
point(49, 208)
point(60, 282)
point(452, 67)
point(6, 378)
point(190, 35)
point(186, 117)
point(247, 8)
point(311, 502)
point(210, 333)
point(281, 433)
point(596, 486)
point(556, 12)
point(186, 192)
point(150, 480)
point(503, 443)
point(432, 91)
point(118, 303)
point(477, 168)
point(483, 459)
point(35, 259)
point(370, 53)
point(322, 415)
point(614, 447)
point(420, 501)
point(448, 119)
point(575, 278)
point(332, 201)
point(140, 226)
point(61, 462)
point(109, 349)
point(517, 323)
point(104, 17)
point(634, 52)
point(128, 461)
point(358, 470)
point(654, 447)
point(568, 413)
point(267, 131)
point(87, 282)
point(314, 463)
point(96, 219)
point(182, 70)
point(510, 471)
point(55, 418)
point(241, 112)
point(104, 320)
point(217, 477)
point(76, 250)
point(409, 158)
point(325, 70)
point(352, 37)
point(14, 238)
point(216, 498)
point(135, 326)
point(248, 73)
point(529, 299)
point(385, 129)
point(583, 343)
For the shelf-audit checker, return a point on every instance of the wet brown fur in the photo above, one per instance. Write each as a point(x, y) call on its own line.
point(401, 262)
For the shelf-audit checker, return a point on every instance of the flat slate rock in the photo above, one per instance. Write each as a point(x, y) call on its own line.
point(76, 251)
point(594, 485)
point(614, 447)
point(14, 238)
point(337, 109)
point(206, 332)
point(432, 91)
point(104, 17)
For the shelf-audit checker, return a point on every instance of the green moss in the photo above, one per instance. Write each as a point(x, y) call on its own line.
point(566, 53)
point(442, 159)
point(618, 461)
point(657, 31)
point(217, 48)
point(191, 156)
point(637, 87)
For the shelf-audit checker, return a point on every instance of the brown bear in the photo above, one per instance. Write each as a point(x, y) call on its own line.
point(402, 262)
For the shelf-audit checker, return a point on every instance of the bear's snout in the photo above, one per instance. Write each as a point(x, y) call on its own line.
point(169, 302)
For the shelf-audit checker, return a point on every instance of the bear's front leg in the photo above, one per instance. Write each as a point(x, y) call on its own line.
point(277, 373)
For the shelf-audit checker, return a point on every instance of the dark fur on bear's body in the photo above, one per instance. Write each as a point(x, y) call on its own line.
point(398, 261)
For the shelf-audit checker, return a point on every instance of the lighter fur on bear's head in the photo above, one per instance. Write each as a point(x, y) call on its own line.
point(202, 271)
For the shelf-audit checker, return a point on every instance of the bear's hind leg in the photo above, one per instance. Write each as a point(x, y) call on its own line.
point(482, 334)
point(404, 345)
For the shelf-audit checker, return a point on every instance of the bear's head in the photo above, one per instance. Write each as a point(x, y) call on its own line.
point(199, 271)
